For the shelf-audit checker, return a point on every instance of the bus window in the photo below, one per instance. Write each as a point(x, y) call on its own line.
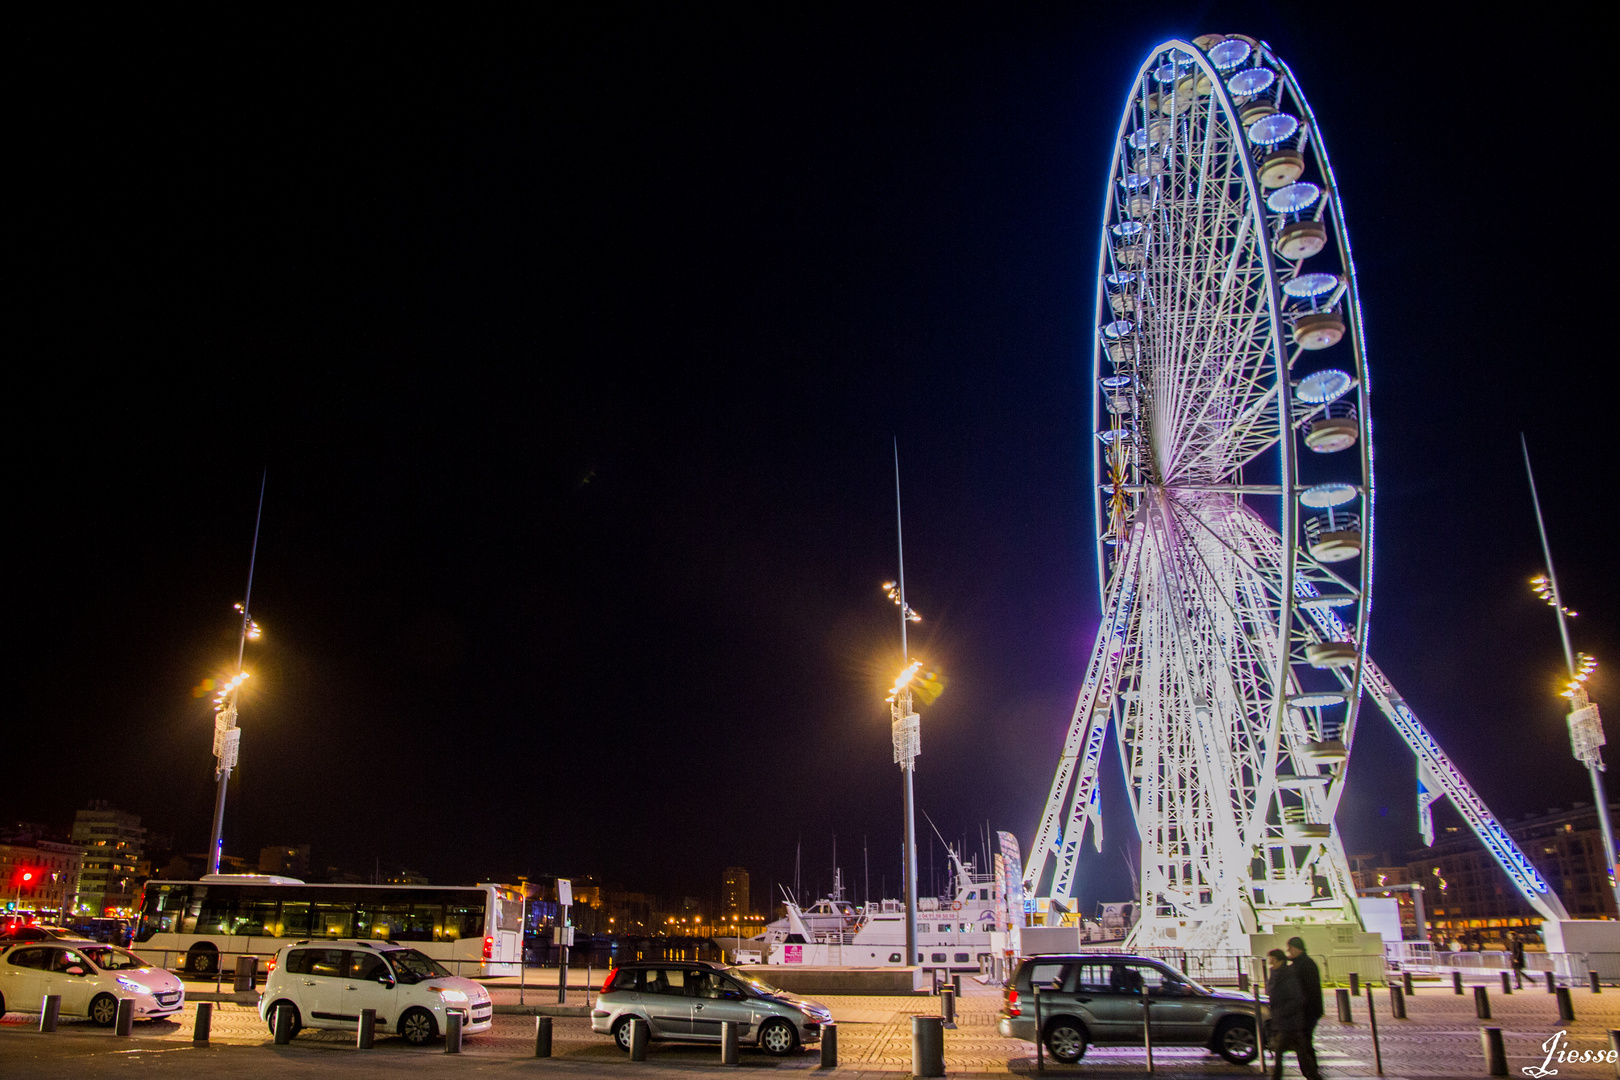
point(217, 913)
point(332, 920)
point(256, 917)
point(464, 920)
point(509, 914)
point(407, 922)
point(294, 919)
point(162, 910)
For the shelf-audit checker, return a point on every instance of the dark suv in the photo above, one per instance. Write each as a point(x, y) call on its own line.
point(1103, 997)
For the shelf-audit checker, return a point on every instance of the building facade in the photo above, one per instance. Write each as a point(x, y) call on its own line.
point(113, 843)
point(39, 878)
point(1472, 903)
point(290, 860)
point(735, 899)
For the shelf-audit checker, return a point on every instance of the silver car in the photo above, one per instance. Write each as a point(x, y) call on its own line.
point(687, 1002)
point(1104, 997)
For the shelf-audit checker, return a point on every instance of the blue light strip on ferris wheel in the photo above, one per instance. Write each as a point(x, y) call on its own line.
point(1513, 861)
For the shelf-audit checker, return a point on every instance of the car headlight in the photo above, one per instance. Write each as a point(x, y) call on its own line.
point(132, 986)
point(453, 997)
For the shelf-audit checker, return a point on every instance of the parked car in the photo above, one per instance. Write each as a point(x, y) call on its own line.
point(89, 977)
point(1099, 999)
point(40, 932)
point(688, 1001)
point(327, 983)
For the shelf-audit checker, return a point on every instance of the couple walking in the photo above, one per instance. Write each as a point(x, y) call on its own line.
point(1295, 989)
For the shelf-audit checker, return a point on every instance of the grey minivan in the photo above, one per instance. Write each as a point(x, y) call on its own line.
point(1102, 998)
point(688, 1001)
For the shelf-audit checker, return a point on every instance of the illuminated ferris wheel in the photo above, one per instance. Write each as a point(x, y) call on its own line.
point(1233, 492)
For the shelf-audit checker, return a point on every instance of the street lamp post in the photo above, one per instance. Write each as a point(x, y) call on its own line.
point(1585, 725)
point(227, 736)
point(904, 725)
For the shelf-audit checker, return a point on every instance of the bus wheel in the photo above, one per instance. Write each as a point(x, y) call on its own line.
point(417, 1027)
point(201, 961)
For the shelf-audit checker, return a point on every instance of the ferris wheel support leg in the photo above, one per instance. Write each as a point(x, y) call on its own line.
point(1456, 786)
point(1058, 840)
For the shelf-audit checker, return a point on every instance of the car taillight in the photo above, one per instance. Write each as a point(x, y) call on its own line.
point(270, 967)
point(1012, 1003)
point(489, 947)
point(607, 983)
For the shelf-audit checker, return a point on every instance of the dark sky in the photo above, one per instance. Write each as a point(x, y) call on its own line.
point(575, 352)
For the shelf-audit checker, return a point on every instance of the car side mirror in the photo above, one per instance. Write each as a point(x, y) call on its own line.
point(732, 995)
point(75, 970)
point(387, 983)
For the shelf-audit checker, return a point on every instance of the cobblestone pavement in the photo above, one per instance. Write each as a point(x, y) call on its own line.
point(1441, 1039)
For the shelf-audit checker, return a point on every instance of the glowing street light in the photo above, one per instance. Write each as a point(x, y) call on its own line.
point(227, 736)
point(1585, 725)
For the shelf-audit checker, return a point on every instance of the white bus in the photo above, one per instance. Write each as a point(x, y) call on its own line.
point(198, 926)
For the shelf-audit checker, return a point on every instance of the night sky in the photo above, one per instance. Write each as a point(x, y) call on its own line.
point(576, 353)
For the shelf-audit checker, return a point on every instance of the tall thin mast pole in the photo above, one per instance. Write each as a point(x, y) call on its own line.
point(908, 765)
point(227, 753)
point(1593, 760)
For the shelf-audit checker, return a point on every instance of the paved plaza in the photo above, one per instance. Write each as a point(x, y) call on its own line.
point(1441, 1039)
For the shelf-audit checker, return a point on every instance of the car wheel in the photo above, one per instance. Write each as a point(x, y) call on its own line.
point(201, 961)
point(417, 1027)
point(778, 1037)
point(621, 1033)
point(104, 1010)
point(1066, 1040)
point(297, 1022)
point(1234, 1041)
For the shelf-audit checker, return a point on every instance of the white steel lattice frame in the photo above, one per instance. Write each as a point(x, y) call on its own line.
point(1210, 618)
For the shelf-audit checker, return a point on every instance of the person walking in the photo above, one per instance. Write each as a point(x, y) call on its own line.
point(1309, 977)
point(1287, 1029)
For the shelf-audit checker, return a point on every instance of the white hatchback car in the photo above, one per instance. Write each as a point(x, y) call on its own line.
point(89, 977)
point(327, 983)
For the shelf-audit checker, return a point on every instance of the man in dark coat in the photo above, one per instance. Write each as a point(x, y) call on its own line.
point(1310, 984)
point(1288, 1023)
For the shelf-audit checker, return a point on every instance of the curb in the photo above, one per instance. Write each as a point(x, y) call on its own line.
point(543, 1010)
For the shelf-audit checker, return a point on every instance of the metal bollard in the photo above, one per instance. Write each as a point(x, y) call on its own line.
point(247, 973)
point(1147, 1029)
point(1566, 1007)
point(365, 1036)
point(1592, 976)
point(1552, 983)
point(125, 1022)
point(542, 1036)
point(1614, 1049)
point(1343, 997)
point(1507, 984)
point(728, 1043)
point(1397, 1003)
point(205, 1022)
point(927, 1046)
point(1456, 982)
point(638, 1039)
point(1482, 1003)
point(1372, 1027)
point(452, 1032)
point(1490, 1041)
point(1355, 985)
point(284, 1017)
point(956, 985)
point(947, 1006)
point(1040, 1032)
point(1243, 982)
point(1406, 982)
point(49, 1010)
point(829, 1046)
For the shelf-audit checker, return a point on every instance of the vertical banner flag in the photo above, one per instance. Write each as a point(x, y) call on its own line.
point(1428, 793)
point(1012, 889)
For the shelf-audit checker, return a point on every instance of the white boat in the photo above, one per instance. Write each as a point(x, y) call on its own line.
point(959, 932)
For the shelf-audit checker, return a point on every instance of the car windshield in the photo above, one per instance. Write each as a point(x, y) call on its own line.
point(758, 986)
point(108, 958)
point(412, 967)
